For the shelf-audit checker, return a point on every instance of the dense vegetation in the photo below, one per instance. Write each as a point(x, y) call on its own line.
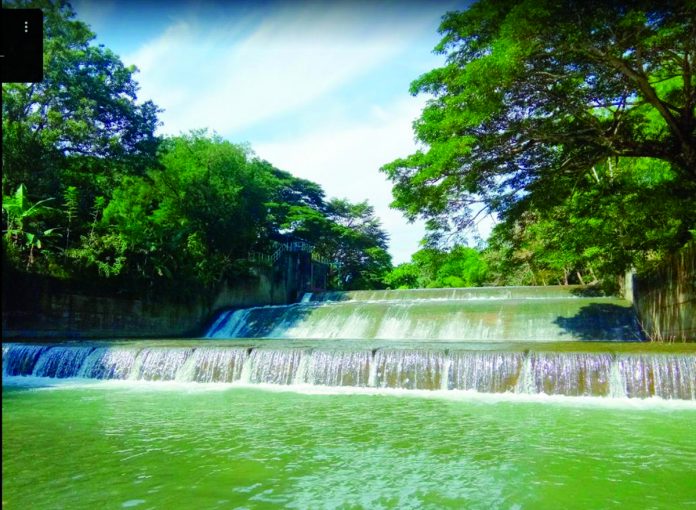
point(92, 194)
point(458, 266)
point(573, 122)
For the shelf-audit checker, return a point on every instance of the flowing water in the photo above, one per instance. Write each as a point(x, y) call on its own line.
point(496, 314)
point(436, 398)
point(608, 372)
point(182, 446)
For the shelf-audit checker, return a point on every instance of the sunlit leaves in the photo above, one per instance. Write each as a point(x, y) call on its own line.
point(432, 268)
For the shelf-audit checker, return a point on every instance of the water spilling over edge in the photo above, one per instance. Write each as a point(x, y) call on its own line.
point(577, 374)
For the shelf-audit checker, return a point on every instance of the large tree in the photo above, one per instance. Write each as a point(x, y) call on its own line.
point(188, 223)
point(357, 244)
point(71, 138)
point(83, 124)
point(535, 93)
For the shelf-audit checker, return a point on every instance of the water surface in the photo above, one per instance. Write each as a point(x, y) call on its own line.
point(148, 445)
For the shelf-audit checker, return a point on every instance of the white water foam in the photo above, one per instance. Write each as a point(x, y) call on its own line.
point(464, 396)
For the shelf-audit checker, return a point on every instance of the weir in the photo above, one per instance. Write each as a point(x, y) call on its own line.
point(607, 374)
point(490, 314)
point(519, 340)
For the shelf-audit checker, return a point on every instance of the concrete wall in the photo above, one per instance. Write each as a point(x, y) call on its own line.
point(665, 300)
point(46, 310)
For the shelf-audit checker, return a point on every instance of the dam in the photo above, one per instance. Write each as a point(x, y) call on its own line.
point(518, 397)
point(514, 340)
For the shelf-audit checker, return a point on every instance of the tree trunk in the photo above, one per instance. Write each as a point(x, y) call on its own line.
point(582, 282)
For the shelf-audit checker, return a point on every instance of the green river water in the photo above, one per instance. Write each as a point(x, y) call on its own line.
point(122, 444)
point(492, 398)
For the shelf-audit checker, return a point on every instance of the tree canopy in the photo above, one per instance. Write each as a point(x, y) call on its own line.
point(83, 123)
point(92, 195)
point(459, 266)
point(537, 96)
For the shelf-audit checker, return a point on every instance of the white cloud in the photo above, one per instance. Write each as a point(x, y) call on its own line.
point(345, 161)
point(212, 73)
point(253, 69)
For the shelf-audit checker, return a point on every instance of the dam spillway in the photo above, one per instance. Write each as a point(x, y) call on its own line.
point(492, 314)
point(668, 375)
point(514, 340)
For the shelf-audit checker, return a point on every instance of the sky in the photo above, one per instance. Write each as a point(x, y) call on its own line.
point(319, 89)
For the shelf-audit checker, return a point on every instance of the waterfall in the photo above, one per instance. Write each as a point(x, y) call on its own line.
point(108, 363)
point(339, 368)
point(20, 359)
point(410, 369)
point(468, 293)
point(485, 340)
point(159, 364)
point(489, 372)
point(274, 366)
point(572, 374)
point(60, 362)
point(661, 375)
point(600, 374)
point(214, 365)
point(495, 314)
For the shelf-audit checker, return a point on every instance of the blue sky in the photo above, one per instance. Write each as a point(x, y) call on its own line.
point(319, 89)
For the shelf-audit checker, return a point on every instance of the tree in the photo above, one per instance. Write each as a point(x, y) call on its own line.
point(356, 242)
point(625, 213)
point(534, 94)
point(82, 125)
point(347, 234)
point(296, 208)
point(189, 222)
point(459, 266)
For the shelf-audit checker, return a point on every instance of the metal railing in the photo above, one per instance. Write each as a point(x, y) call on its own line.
point(290, 247)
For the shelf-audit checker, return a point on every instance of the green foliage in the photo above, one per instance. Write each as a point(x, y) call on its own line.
point(348, 234)
point(190, 221)
point(71, 205)
point(76, 133)
point(459, 266)
point(25, 222)
point(178, 214)
point(626, 213)
point(356, 242)
point(534, 95)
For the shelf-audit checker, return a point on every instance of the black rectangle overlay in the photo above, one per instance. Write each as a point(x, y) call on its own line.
point(22, 45)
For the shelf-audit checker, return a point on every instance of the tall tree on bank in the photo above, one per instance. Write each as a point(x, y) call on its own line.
point(71, 138)
point(80, 126)
point(535, 93)
point(188, 224)
point(357, 244)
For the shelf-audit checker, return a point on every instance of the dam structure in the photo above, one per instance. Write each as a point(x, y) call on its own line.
point(506, 340)
point(483, 314)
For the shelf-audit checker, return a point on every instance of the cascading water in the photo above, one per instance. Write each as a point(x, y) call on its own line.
point(486, 340)
point(631, 375)
point(496, 314)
